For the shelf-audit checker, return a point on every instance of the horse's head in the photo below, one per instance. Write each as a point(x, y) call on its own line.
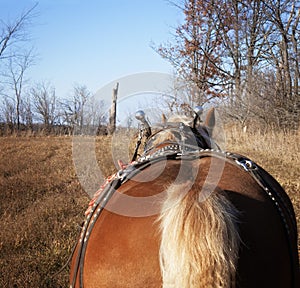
point(178, 133)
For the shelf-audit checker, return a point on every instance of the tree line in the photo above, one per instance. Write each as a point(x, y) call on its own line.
point(36, 107)
point(241, 55)
point(41, 111)
point(244, 54)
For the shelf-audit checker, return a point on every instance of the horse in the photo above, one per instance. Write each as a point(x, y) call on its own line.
point(187, 214)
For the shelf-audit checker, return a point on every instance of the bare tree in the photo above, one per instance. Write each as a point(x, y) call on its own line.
point(45, 104)
point(94, 112)
point(27, 113)
point(283, 43)
point(295, 35)
point(14, 62)
point(74, 109)
point(8, 113)
point(14, 33)
point(15, 79)
point(196, 52)
point(232, 44)
point(81, 97)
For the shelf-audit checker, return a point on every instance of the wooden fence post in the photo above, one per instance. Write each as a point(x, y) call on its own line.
point(113, 110)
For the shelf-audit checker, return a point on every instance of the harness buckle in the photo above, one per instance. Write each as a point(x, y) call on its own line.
point(247, 164)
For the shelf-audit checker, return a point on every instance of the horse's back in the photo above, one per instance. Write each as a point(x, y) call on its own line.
point(268, 254)
point(123, 251)
point(119, 253)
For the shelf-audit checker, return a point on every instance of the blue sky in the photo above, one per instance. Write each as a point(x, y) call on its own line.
point(94, 42)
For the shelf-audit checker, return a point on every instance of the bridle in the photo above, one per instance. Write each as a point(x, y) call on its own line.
point(186, 138)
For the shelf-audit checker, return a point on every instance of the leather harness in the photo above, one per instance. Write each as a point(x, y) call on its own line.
point(175, 151)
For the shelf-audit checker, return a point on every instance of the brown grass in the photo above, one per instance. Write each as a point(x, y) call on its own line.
point(42, 202)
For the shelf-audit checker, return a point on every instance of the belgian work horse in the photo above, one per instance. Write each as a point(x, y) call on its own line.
point(186, 214)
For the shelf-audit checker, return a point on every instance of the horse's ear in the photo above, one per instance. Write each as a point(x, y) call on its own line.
point(163, 119)
point(210, 120)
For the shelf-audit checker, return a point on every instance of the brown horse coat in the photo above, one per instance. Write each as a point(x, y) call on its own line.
point(122, 251)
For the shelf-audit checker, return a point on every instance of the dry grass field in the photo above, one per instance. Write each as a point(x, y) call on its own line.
point(42, 202)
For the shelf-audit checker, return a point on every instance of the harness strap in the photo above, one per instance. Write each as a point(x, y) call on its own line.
point(88, 225)
point(283, 206)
